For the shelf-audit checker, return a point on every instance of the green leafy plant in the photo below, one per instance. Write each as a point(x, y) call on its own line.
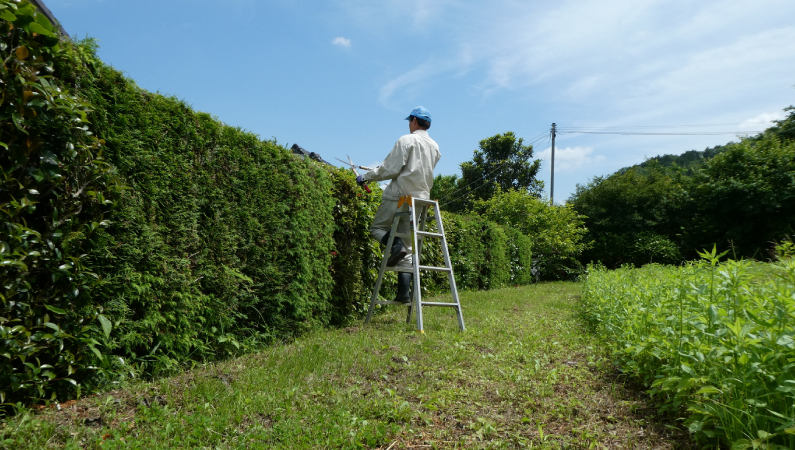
point(712, 341)
point(556, 232)
point(55, 193)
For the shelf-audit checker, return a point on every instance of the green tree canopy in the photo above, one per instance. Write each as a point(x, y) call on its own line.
point(744, 198)
point(501, 161)
point(740, 197)
point(556, 231)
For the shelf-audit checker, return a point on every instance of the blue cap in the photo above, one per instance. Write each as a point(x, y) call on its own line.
point(420, 113)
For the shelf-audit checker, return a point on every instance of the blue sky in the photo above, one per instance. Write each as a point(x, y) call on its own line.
point(339, 76)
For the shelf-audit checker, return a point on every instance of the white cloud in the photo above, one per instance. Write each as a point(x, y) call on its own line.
point(570, 159)
point(761, 121)
point(654, 57)
point(341, 41)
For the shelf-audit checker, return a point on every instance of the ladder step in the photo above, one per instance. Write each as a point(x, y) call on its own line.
point(426, 233)
point(390, 302)
point(436, 269)
point(439, 304)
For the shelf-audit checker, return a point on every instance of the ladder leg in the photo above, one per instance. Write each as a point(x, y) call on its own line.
point(416, 257)
point(380, 279)
point(448, 263)
point(411, 307)
point(417, 287)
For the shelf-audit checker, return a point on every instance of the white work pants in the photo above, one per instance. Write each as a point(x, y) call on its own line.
point(382, 223)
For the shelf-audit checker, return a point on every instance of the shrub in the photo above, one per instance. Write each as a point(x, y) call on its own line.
point(221, 240)
point(55, 194)
point(357, 256)
point(617, 249)
point(555, 231)
point(712, 342)
point(744, 199)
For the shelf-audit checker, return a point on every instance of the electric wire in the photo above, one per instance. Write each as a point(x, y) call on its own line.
point(693, 125)
point(656, 130)
point(619, 131)
point(635, 133)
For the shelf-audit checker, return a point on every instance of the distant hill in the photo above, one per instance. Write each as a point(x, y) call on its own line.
point(689, 160)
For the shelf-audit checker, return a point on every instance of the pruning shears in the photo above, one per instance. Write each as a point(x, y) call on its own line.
point(353, 167)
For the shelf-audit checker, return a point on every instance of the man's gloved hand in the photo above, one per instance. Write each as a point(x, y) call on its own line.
point(359, 180)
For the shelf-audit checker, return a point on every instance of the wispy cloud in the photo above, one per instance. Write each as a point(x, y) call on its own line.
point(761, 121)
point(341, 41)
point(409, 82)
point(413, 14)
point(570, 159)
point(633, 55)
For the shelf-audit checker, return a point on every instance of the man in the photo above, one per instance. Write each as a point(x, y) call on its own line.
point(409, 166)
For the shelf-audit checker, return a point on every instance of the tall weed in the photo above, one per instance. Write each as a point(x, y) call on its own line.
point(713, 342)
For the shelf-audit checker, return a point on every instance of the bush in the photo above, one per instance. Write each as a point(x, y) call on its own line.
point(633, 216)
point(55, 194)
point(221, 241)
point(712, 342)
point(484, 254)
point(617, 249)
point(555, 231)
point(357, 256)
point(744, 199)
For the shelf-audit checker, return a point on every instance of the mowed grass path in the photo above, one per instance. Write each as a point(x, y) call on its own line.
point(525, 374)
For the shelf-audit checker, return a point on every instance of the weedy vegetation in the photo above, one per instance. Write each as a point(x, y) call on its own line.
point(713, 342)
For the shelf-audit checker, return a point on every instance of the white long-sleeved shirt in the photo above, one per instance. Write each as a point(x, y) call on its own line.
point(409, 165)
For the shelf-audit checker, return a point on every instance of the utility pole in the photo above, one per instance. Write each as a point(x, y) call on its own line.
point(552, 178)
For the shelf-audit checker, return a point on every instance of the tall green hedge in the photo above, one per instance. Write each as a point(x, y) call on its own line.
point(485, 255)
point(140, 236)
point(220, 239)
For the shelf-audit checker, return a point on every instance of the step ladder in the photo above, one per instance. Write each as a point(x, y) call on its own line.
point(418, 209)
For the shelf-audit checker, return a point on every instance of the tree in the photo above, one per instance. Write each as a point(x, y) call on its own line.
point(556, 231)
point(446, 190)
point(633, 216)
point(501, 161)
point(785, 129)
point(744, 199)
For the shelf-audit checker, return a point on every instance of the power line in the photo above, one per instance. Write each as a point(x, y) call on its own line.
point(636, 133)
point(727, 124)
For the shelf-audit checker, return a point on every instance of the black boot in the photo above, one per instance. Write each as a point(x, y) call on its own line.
point(399, 251)
point(404, 288)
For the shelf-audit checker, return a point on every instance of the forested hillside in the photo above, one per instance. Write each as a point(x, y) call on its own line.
point(689, 160)
point(740, 197)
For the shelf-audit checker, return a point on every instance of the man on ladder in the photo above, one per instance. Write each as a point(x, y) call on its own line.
point(409, 166)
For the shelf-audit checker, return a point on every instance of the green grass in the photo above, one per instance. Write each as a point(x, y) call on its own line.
point(523, 375)
point(714, 343)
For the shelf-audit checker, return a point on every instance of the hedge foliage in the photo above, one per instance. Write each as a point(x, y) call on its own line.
point(55, 192)
point(221, 239)
point(140, 236)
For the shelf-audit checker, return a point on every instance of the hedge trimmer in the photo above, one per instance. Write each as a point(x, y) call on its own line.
point(353, 167)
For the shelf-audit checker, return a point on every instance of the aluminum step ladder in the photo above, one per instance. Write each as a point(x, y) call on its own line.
point(418, 209)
